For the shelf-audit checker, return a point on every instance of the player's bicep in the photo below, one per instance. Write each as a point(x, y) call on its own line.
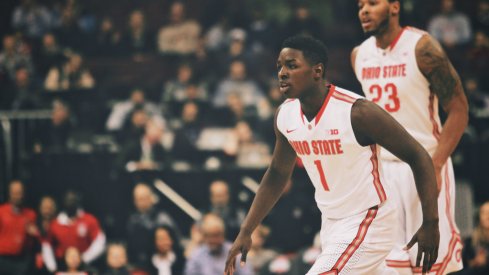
point(435, 66)
point(372, 125)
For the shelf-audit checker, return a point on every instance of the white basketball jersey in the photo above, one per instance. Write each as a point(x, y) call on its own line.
point(391, 78)
point(346, 175)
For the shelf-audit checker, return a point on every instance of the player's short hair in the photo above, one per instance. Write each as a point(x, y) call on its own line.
point(314, 50)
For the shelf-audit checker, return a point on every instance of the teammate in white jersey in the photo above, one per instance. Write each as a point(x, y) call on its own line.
point(335, 133)
point(406, 72)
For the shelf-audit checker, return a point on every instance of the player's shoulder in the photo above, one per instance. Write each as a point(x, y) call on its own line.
point(345, 95)
point(287, 105)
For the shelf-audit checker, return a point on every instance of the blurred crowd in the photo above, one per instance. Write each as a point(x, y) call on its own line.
point(185, 85)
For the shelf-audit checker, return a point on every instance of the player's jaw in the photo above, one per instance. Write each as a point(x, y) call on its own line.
point(374, 18)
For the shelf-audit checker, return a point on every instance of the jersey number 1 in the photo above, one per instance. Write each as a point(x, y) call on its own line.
point(319, 166)
point(393, 104)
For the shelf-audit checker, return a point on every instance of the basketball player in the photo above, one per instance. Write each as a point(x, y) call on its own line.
point(406, 72)
point(335, 132)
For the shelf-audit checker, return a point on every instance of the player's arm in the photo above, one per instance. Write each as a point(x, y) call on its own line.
point(446, 84)
point(270, 190)
point(373, 125)
point(353, 57)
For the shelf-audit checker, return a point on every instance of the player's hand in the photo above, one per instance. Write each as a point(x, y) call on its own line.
point(242, 245)
point(428, 239)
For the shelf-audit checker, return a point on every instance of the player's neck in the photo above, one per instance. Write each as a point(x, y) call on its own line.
point(386, 38)
point(312, 103)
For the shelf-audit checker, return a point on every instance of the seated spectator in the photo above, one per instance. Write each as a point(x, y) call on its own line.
point(133, 128)
point(117, 260)
point(220, 199)
point(476, 248)
point(481, 20)
point(303, 22)
point(185, 141)
point(168, 259)
point(182, 89)
point(17, 230)
point(258, 255)
point(142, 224)
point(122, 110)
point(237, 82)
point(73, 264)
point(47, 213)
point(68, 31)
point(137, 39)
point(250, 152)
point(181, 35)
point(477, 61)
point(54, 136)
point(75, 228)
point(148, 152)
point(72, 74)
point(195, 241)
point(108, 39)
point(22, 94)
point(50, 55)
point(11, 58)
point(450, 27)
point(210, 258)
point(32, 18)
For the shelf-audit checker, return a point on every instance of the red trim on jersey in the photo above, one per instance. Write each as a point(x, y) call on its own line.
point(355, 244)
point(394, 42)
point(325, 103)
point(344, 97)
point(375, 173)
point(431, 107)
point(331, 272)
point(398, 264)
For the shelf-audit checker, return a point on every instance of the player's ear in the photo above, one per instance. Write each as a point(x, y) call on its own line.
point(318, 71)
point(395, 7)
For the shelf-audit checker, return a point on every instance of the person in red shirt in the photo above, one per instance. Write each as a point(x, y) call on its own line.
point(17, 232)
point(74, 228)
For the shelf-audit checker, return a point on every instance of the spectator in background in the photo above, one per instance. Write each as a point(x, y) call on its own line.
point(210, 258)
point(220, 199)
point(32, 19)
point(68, 32)
point(54, 137)
point(237, 82)
point(108, 39)
point(250, 151)
point(17, 229)
point(168, 259)
point(185, 141)
point(121, 111)
point(22, 94)
point(11, 58)
point(476, 248)
point(258, 255)
point(481, 20)
point(142, 224)
point(47, 212)
point(72, 74)
point(117, 260)
point(148, 152)
point(50, 55)
point(303, 23)
point(73, 264)
point(182, 89)
point(477, 57)
point(195, 241)
point(450, 27)
point(181, 35)
point(137, 40)
point(236, 48)
point(133, 128)
point(75, 228)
